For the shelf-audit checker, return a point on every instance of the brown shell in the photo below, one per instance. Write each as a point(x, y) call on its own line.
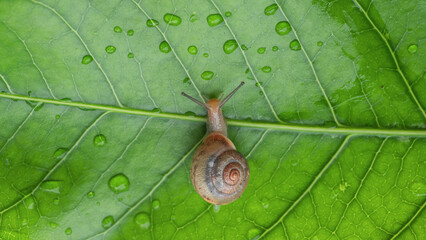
point(218, 172)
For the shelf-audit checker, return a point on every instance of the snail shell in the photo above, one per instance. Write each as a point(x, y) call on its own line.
point(219, 172)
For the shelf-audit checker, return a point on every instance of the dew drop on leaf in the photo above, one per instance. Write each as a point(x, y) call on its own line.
point(90, 194)
point(53, 225)
point(228, 14)
point(193, 18)
point(157, 110)
point(68, 231)
point(192, 50)
point(29, 203)
point(51, 186)
point(107, 222)
point(130, 55)
point(412, 48)
point(214, 19)
point(261, 50)
point(57, 116)
point(271, 9)
point(118, 29)
point(164, 47)
point(266, 69)
point(156, 204)
point(320, 43)
point(110, 49)
point(260, 93)
point(253, 233)
point(152, 22)
point(99, 140)
point(274, 48)
point(172, 19)
point(206, 55)
point(244, 47)
point(60, 153)
point(207, 75)
point(87, 59)
point(187, 80)
point(131, 32)
point(190, 114)
point(119, 183)
point(258, 84)
point(229, 46)
point(142, 220)
point(282, 28)
point(295, 45)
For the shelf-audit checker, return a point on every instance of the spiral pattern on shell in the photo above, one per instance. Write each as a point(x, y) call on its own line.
point(219, 173)
point(229, 173)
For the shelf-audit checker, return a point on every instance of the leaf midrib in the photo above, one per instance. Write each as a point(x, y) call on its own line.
point(232, 122)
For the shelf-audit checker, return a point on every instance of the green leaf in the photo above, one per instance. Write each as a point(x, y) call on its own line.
point(96, 141)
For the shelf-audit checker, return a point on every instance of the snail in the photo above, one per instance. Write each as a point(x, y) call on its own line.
point(219, 172)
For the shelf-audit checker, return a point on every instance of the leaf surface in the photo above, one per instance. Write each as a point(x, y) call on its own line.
point(96, 141)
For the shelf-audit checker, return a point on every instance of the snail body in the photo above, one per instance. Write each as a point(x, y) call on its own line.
point(219, 172)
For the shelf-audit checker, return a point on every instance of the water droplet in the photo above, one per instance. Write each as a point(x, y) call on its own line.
point(131, 32)
point(99, 140)
point(187, 80)
point(90, 194)
point(156, 204)
point(244, 47)
point(193, 18)
point(266, 69)
point(119, 183)
point(98, 203)
point(142, 220)
point(343, 186)
point(172, 19)
point(412, 48)
point(214, 19)
point(110, 49)
point(191, 114)
point(51, 186)
point(320, 43)
point(24, 221)
point(118, 29)
point(57, 116)
point(192, 50)
point(258, 84)
point(152, 22)
point(229, 46)
point(164, 47)
point(157, 110)
point(207, 75)
point(53, 225)
point(56, 201)
point(107, 222)
point(418, 188)
point(274, 48)
point(206, 55)
point(68, 231)
point(247, 70)
point(253, 233)
point(130, 55)
point(260, 93)
point(295, 45)
point(282, 28)
point(228, 14)
point(261, 50)
point(216, 208)
point(60, 153)
point(271, 9)
point(87, 59)
point(29, 203)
